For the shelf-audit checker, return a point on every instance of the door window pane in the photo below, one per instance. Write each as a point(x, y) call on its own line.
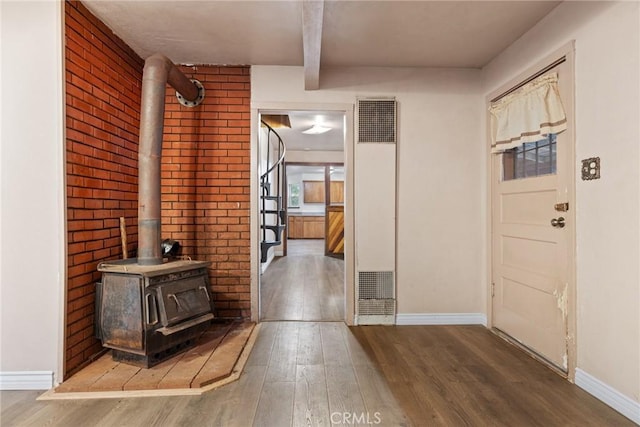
point(530, 159)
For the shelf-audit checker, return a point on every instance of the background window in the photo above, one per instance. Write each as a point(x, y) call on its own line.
point(530, 159)
point(294, 195)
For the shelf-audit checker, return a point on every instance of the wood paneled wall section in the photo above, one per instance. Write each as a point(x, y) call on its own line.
point(334, 244)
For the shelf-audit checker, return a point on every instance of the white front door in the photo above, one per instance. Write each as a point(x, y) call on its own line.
point(533, 254)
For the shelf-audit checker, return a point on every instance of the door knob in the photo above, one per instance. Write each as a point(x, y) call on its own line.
point(558, 222)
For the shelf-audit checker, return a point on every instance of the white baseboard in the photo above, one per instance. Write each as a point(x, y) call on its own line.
point(609, 395)
point(441, 319)
point(26, 380)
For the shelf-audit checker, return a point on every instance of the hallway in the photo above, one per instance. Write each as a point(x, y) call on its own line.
point(305, 285)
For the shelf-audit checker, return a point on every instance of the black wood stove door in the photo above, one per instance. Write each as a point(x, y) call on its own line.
point(183, 299)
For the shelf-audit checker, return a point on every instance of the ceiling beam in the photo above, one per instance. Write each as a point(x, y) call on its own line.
point(312, 12)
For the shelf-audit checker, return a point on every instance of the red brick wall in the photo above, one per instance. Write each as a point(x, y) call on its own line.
point(205, 181)
point(205, 193)
point(103, 77)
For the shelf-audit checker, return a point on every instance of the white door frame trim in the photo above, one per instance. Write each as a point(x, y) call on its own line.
point(349, 226)
point(567, 51)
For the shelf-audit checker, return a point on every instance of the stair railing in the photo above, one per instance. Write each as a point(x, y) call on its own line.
point(265, 184)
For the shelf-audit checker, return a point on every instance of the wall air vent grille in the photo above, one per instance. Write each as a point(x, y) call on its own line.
point(376, 121)
point(376, 307)
point(375, 285)
point(376, 297)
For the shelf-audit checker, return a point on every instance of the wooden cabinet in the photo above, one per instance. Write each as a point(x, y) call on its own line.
point(313, 227)
point(306, 227)
point(296, 228)
point(313, 191)
point(337, 192)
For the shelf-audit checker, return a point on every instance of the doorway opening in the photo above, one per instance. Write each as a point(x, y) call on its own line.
point(303, 277)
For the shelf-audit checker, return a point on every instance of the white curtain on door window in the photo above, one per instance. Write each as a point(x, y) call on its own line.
point(528, 114)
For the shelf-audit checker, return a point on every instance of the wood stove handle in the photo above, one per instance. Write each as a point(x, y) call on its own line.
point(206, 292)
point(173, 296)
point(151, 303)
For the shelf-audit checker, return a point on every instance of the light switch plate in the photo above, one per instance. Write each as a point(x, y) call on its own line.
point(591, 168)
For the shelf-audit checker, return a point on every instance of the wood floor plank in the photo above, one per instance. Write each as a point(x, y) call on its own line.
point(378, 399)
point(11, 397)
point(70, 413)
point(159, 411)
point(221, 362)
point(261, 351)
point(312, 297)
point(191, 363)
point(18, 406)
point(148, 379)
point(332, 293)
point(334, 348)
point(344, 392)
point(305, 285)
point(83, 379)
point(311, 402)
point(233, 405)
point(115, 379)
point(275, 407)
point(282, 363)
point(309, 345)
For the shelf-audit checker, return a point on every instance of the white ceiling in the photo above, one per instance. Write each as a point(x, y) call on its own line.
point(295, 140)
point(303, 169)
point(353, 33)
point(388, 33)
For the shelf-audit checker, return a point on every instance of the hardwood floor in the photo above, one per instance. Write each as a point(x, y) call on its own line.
point(297, 247)
point(324, 373)
point(213, 358)
point(305, 285)
point(299, 374)
point(466, 376)
point(327, 374)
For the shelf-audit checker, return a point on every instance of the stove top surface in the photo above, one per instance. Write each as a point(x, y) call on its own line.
point(130, 266)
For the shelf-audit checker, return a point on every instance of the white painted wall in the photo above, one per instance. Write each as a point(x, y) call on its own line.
point(440, 162)
point(607, 100)
point(315, 156)
point(32, 190)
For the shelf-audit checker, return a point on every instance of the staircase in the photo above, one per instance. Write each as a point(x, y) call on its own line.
point(272, 212)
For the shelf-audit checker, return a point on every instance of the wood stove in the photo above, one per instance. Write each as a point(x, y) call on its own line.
point(149, 309)
point(149, 313)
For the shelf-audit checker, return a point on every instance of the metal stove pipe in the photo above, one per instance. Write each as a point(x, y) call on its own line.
point(158, 71)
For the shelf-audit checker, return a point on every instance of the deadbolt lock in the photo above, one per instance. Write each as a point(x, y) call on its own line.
point(561, 207)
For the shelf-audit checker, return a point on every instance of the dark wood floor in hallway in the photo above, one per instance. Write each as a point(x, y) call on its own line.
point(305, 285)
point(467, 376)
